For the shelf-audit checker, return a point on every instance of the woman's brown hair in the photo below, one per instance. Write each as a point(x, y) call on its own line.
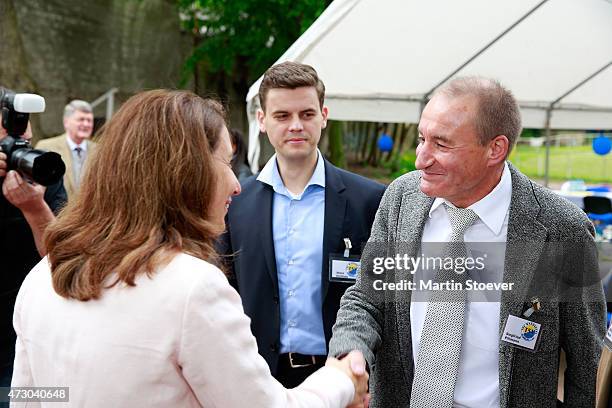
point(145, 195)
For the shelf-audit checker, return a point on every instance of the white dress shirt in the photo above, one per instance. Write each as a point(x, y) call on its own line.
point(78, 158)
point(478, 377)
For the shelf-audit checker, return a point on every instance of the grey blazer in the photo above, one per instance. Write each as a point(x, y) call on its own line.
point(378, 323)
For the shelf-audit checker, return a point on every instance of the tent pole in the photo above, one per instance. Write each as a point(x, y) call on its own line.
point(581, 83)
point(547, 159)
point(422, 107)
point(549, 114)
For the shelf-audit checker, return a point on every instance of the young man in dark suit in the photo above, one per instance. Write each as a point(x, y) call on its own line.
point(287, 223)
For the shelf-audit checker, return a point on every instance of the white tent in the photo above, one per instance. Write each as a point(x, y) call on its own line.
point(381, 59)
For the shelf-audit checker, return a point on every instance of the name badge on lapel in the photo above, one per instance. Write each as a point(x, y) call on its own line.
point(521, 333)
point(344, 267)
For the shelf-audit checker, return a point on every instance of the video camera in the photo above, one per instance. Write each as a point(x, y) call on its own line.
point(43, 167)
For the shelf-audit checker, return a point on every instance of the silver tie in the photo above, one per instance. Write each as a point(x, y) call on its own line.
point(438, 359)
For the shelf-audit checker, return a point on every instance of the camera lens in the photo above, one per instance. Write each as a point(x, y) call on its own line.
point(43, 167)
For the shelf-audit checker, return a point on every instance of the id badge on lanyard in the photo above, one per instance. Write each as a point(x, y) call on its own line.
point(344, 267)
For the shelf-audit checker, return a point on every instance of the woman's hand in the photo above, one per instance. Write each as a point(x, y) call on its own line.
point(354, 366)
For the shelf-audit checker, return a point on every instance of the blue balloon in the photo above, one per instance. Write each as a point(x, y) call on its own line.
point(602, 145)
point(385, 143)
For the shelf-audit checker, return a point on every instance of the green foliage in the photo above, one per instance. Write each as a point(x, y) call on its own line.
point(531, 133)
point(244, 37)
point(405, 165)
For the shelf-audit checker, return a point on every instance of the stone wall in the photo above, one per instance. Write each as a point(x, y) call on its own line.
point(67, 49)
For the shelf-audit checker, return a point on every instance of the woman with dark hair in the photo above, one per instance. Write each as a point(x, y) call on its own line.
point(128, 309)
point(240, 164)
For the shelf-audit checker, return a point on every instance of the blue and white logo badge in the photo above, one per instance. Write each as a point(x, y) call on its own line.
point(352, 269)
point(529, 331)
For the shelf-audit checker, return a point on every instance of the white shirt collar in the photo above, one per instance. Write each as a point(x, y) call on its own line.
point(73, 145)
point(492, 208)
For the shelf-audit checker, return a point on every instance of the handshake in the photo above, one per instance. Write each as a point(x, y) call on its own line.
point(354, 366)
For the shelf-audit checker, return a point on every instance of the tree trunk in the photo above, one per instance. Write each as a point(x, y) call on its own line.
point(13, 63)
point(373, 156)
point(367, 132)
point(336, 145)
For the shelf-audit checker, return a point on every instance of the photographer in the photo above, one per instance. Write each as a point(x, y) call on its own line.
point(26, 208)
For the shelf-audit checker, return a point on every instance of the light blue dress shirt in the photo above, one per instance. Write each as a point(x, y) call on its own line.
point(297, 230)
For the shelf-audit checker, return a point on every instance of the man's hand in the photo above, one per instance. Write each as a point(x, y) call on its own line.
point(3, 164)
point(354, 365)
point(30, 199)
point(23, 195)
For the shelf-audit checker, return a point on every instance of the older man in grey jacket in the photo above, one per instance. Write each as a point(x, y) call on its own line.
point(445, 349)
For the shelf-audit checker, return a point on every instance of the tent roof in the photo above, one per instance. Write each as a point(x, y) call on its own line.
point(380, 58)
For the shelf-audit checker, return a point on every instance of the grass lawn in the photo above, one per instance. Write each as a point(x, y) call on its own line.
point(566, 163)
